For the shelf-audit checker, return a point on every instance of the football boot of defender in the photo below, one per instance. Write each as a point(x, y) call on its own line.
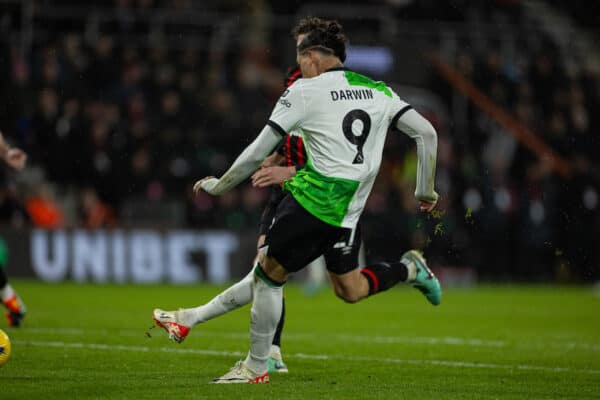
point(16, 311)
point(169, 321)
point(425, 280)
point(240, 373)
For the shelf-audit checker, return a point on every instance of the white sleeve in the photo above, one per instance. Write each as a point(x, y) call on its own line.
point(245, 164)
point(418, 128)
point(290, 109)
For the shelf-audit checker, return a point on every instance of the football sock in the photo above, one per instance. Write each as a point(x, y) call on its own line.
point(275, 352)
point(277, 337)
point(382, 276)
point(233, 297)
point(264, 316)
point(6, 292)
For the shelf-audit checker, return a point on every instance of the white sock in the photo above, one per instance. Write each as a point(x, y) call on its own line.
point(412, 271)
point(233, 297)
point(6, 292)
point(275, 352)
point(264, 316)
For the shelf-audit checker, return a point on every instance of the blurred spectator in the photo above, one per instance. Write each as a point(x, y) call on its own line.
point(44, 210)
point(94, 213)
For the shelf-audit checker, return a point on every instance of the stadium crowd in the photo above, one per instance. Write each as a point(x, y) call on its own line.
point(109, 122)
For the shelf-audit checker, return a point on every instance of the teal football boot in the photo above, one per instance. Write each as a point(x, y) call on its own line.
point(424, 280)
point(276, 366)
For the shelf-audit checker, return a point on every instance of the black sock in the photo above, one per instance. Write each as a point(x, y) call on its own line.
point(382, 276)
point(277, 337)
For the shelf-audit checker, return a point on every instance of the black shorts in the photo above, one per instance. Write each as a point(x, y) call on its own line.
point(296, 238)
point(266, 219)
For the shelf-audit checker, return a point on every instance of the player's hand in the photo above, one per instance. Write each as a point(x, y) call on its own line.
point(426, 206)
point(272, 160)
point(16, 158)
point(205, 184)
point(272, 176)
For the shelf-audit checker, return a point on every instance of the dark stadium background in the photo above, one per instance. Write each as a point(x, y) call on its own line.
point(122, 105)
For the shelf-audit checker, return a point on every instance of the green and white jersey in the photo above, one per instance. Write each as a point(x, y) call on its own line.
point(344, 119)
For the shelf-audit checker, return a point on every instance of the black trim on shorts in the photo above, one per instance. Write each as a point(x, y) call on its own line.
point(277, 128)
point(399, 114)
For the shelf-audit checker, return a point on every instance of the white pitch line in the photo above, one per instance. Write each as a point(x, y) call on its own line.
point(452, 341)
point(207, 352)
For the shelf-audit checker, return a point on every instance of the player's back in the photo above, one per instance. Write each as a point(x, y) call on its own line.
point(346, 123)
point(344, 118)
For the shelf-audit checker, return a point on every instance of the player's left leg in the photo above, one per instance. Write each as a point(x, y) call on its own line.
point(10, 298)
point(353, 284)
point(265, 314)
point(275, 363)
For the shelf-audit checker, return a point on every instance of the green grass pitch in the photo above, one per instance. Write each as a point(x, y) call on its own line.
point(488, 342)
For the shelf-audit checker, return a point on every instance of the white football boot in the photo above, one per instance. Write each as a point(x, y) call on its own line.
point(240, 373)
point(170, 322)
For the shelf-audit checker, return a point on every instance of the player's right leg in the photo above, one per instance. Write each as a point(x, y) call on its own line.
point(358, 284)
point(11, 300)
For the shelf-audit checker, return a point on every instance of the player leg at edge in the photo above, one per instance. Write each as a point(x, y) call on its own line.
point(11, 300)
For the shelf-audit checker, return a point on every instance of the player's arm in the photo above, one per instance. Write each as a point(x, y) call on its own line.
point(277, 157)
point(288, 112)
point(422, 132)
point(244, 165)
point(13, 156)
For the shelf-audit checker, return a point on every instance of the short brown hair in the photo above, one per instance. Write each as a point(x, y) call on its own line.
point(321, 34)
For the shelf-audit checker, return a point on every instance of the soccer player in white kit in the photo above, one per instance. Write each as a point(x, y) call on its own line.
point(344, 118)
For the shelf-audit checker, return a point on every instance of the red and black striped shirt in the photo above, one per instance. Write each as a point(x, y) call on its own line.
point(292, 149)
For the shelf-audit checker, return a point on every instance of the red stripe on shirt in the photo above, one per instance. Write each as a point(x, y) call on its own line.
point(300, 151)
point(288, 150)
